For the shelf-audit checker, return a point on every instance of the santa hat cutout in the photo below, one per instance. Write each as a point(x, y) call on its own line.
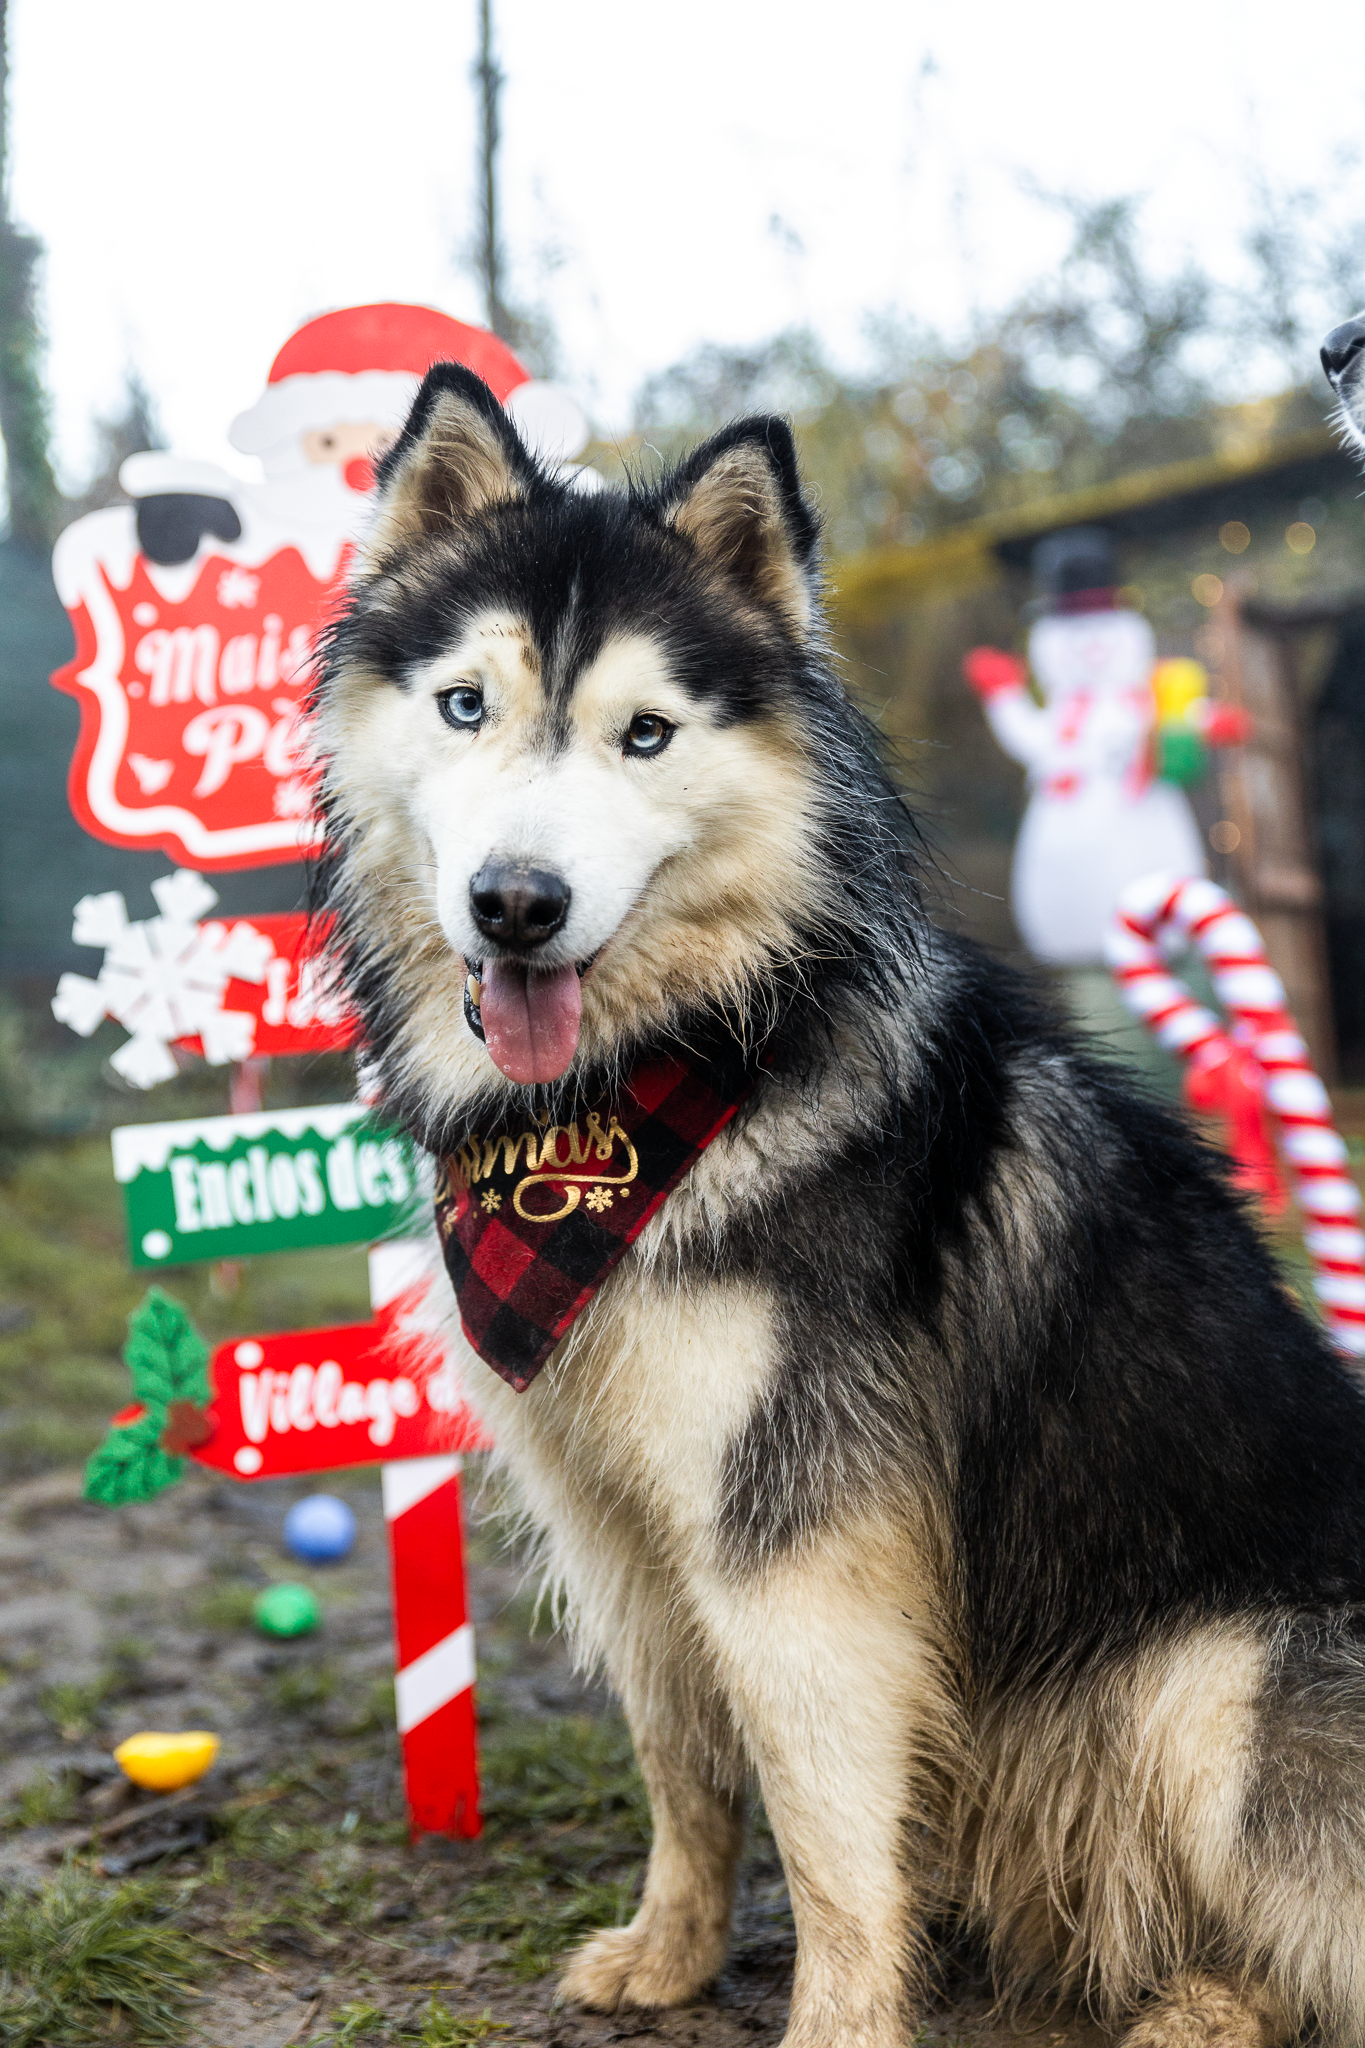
point(366, 362)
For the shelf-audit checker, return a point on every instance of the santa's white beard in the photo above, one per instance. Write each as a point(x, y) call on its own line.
point(309, 494)
point(308, 506)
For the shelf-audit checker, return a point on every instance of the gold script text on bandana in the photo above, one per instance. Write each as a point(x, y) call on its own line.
point(561, 1160)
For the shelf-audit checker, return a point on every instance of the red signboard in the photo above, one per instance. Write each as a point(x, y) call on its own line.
point(190, 705)
point(316, 1400)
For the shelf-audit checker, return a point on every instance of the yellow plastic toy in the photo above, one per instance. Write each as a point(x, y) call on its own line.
point(162, 1763)
point(1181, 689)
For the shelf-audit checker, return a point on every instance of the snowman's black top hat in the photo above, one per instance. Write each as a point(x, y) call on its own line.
point(1076, 571)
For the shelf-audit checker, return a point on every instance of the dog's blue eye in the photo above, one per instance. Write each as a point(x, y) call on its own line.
point(649, 734)
point(461, 707)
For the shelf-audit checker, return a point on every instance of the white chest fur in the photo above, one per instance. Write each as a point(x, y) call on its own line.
point(639, 1405)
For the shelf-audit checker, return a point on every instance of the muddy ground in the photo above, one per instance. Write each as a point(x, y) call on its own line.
point(312, 1917)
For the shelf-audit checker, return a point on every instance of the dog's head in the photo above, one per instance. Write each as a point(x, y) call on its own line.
point(1343, 362)
point(573, 747)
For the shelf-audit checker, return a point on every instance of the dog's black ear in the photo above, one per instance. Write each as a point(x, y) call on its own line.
point(738, 499)
point(457, 454)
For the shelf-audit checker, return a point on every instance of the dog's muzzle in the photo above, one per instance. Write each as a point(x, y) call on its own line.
point(1341, 348)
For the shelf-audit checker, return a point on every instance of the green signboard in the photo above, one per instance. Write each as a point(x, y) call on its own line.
point(232, 1187)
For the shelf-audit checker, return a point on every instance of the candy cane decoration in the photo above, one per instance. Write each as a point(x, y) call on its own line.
point(1264, 1034)
point(433, 1636)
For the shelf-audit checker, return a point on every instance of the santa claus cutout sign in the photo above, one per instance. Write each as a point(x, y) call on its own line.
point(196, 608)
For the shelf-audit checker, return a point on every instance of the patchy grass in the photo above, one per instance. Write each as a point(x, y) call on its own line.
point(571, 1769)
point(379, 1707)
point(355, 2021)
point(441, 2028)
point(438, 2027)
point(74, 1709)
point(46, 1800)
point(293, 1868)
point(538, 1908)
point(566, 1813)
point(227, 1605)
point(80, 1961)
point(303, 1689)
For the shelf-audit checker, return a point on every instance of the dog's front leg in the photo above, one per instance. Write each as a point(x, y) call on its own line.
point(838, 1694)
point(676, 1943)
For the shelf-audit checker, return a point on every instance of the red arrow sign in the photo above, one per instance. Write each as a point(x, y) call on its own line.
point(315, 1400)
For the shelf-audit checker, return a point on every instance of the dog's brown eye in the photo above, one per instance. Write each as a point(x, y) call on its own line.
point(649, 733)
point(461, 707)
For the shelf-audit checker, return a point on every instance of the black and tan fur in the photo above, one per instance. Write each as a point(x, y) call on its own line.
point(947, 1451)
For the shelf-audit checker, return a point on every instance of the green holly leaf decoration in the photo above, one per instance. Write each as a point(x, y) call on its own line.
point(130, 1465)
point(168, 1360)
point(165, 1353)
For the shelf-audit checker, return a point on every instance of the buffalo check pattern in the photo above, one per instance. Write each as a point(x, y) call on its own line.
point(527, 1245)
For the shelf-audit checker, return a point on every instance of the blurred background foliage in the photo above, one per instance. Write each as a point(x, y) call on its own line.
point(1111, 365)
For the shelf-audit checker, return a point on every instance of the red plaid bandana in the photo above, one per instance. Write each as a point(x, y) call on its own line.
point(533, 1218)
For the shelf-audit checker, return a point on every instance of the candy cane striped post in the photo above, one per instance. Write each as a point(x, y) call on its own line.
point(433, 1636)
point(1261, 1027)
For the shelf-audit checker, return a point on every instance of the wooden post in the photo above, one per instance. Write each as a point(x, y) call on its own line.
point(246, 1092)
point(1274, 863)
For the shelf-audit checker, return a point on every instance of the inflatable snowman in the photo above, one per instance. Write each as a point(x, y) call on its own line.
point(1115, 733)
point(196, 607)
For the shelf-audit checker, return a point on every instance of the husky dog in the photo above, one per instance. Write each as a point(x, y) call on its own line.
point(946, 1451)
point(1343, 363)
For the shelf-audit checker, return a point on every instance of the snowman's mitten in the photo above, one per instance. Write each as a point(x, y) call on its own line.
point(989, 670)
point(170, 524)
point(1227, 725)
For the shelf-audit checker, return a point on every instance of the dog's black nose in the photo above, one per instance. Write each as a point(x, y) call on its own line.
point(520, 907)
point(1342, 346)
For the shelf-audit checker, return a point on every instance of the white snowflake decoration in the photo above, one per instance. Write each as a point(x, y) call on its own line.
point(164, 978)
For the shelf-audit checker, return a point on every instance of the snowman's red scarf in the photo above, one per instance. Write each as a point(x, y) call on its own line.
point(534, 1217)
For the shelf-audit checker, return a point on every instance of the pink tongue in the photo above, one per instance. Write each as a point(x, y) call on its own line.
point(531, 1020)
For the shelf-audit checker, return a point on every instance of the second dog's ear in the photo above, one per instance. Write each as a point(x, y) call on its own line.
point(738, 499)
point(457, 454)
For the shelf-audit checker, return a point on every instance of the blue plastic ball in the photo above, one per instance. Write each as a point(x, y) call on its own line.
point(319, 1529)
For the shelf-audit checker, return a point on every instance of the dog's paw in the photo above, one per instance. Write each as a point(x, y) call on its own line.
point(660, 1959)
point(1203, 2010)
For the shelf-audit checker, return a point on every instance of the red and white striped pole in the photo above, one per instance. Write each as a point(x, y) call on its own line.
point(433, 1635)
point(1260, 1028)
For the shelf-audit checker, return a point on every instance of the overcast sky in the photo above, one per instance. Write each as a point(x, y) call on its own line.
point(206, 177)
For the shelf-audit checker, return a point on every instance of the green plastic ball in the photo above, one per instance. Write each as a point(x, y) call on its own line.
point(286, 1610)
